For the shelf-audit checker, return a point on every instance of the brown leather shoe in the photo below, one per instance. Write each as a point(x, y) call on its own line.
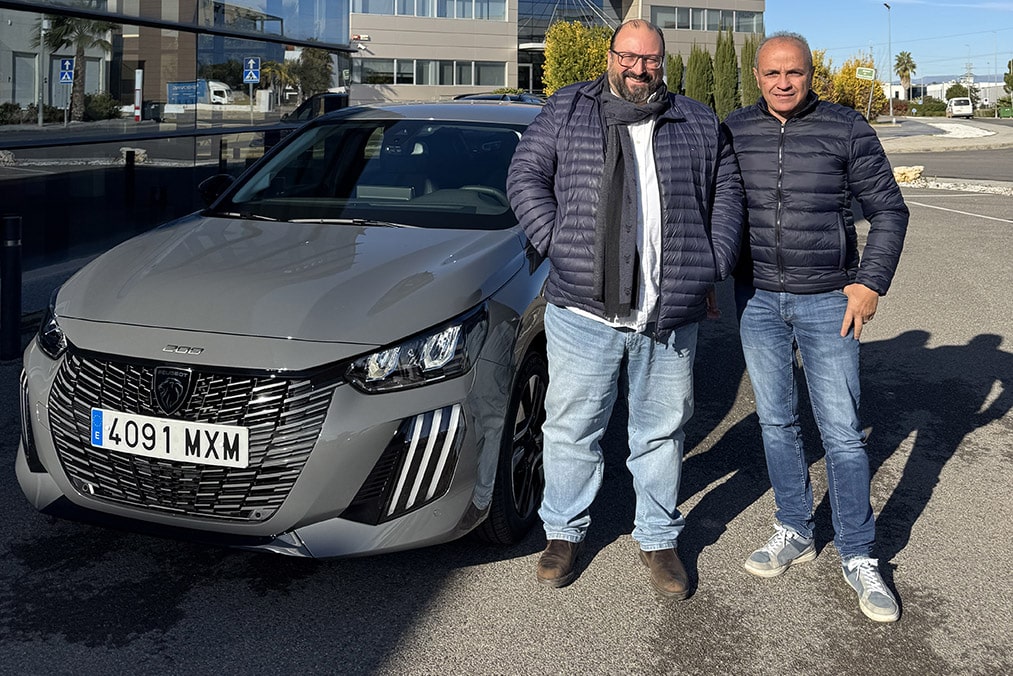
point(668, 577)
point(557, 566)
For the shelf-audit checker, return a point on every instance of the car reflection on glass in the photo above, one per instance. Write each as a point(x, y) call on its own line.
point(342, 354)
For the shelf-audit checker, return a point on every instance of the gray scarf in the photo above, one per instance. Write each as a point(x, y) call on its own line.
point(615, 227)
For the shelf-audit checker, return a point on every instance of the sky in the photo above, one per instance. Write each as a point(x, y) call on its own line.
point(942, 37)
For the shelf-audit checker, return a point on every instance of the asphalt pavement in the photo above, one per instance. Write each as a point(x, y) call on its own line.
point(937, 399)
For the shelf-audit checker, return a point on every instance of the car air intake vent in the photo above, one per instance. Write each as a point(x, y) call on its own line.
point(415, 469)
point(284, 417)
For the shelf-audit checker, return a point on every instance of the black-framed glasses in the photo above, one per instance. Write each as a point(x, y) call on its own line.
point(629, 59)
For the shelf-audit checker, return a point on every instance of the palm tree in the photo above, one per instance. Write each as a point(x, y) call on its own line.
point(277, 77)
point(81, 34)
point(905, 67)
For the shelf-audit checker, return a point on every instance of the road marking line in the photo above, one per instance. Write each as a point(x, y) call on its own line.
point(962, 213)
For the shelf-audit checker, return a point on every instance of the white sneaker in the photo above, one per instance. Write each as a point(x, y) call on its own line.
point(875, 600)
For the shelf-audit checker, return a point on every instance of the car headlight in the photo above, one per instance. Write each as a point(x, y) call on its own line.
point(443, 353)
point(51, 338)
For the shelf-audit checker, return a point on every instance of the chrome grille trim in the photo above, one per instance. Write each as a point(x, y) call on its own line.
point(284, 417)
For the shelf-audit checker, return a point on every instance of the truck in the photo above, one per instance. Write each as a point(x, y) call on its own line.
point(191, 92)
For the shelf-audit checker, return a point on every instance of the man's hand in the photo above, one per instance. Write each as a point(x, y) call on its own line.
point(862, 303)
point(713, 312)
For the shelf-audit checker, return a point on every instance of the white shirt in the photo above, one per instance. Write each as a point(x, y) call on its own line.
point(648, 232)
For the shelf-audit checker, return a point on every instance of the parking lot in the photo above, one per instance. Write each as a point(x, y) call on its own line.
point(937, 399)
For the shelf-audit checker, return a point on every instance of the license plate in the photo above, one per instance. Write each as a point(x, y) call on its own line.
point(167, 439)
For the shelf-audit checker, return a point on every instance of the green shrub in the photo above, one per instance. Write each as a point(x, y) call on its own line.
point(10, 113)
point(101, 106)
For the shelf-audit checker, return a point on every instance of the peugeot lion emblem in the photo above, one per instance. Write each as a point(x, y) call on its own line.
point(171, 386)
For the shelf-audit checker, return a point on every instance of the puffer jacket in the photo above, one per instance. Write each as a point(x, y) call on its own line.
point(554, 188)
point(800, 178)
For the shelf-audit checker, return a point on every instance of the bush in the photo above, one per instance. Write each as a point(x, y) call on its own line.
point(10, 113)
point(101, 106)
point(929, 107)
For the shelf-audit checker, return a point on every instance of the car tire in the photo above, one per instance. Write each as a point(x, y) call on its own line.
point(520, 479)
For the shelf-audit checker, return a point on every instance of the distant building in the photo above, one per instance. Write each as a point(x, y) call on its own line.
point(433, 49)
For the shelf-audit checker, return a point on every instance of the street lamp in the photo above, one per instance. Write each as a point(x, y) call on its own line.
point(889, 64)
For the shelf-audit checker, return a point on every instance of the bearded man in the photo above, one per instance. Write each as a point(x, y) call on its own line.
point(635, 198)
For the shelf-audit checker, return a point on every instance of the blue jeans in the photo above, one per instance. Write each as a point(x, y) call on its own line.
point(771, 324)
point(585, 357)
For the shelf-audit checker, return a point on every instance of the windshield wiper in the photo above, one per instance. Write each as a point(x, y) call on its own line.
point(351, 221)
point(247, 215)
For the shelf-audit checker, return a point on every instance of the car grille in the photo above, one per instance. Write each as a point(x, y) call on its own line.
point(283, 415)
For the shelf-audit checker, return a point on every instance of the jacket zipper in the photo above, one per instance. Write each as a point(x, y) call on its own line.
point(777, 217)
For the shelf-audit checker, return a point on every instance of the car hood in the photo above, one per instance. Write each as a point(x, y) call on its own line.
point(369, 285)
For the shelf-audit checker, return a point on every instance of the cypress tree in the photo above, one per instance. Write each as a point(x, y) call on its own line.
point(726, 75)
point(674, 71)
point(700, 76)
point(750, 92)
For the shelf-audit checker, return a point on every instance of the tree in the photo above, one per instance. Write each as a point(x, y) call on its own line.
point(276, 77)
point(81, 34)
point(958, 90)
point(1008, 78)
point(700, 76)
point(749, 91)
point(726, 75)
point(854, 93)
point(230, 72)
point(674, 72)
point(905, 67)
point(314, 71)
point(574, 53)
point(823, 76)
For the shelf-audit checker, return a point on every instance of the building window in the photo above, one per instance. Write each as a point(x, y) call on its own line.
point(664, 17)
point(749, 22)
point(698, 19)
point(373, 6)
point(406, 7)
point(375, 71)
point(405, 72)
point(463, 71)
point(464, 9)
point(445, 9)
point(494, 10)
point(490, 73)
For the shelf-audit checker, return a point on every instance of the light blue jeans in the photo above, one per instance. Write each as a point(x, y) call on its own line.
point(770, 324)
point(585, 357)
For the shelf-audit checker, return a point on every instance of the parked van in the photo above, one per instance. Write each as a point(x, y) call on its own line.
point(960, 107)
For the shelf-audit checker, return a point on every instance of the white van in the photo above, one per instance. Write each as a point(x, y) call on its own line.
point(960, 107)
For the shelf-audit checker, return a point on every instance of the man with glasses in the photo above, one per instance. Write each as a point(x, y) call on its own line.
point(636, 200)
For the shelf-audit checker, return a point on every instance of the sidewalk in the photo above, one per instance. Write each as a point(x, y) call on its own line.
point(921, 134)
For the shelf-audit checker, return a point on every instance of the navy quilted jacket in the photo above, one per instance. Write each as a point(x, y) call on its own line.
point(800, 178)
point(554, 189)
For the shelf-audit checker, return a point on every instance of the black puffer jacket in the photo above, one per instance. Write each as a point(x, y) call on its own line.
point(800, 178)
point(554, 187)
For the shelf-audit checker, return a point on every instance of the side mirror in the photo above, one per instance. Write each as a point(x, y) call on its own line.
point(210, 189)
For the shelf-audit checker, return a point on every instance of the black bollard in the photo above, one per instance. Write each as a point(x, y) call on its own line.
point(10, 289)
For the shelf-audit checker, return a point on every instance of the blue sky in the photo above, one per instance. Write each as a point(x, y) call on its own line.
point(941, 36)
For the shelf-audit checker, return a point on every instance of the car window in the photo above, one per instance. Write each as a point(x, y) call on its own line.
point(420, 173)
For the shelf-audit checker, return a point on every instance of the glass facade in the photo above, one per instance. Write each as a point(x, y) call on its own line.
point(488, 10)
point(114, 110)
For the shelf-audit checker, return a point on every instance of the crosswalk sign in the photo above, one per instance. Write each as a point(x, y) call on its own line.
point(67, 70)
point(251, 70)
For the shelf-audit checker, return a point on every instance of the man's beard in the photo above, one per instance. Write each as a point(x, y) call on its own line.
point(641, 94)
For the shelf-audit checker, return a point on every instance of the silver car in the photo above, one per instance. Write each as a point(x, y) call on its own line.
point(342, 354)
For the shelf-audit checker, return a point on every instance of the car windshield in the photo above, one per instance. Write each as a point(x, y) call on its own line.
point(420, 173)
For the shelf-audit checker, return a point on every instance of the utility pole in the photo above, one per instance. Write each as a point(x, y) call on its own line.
point(889, 61)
